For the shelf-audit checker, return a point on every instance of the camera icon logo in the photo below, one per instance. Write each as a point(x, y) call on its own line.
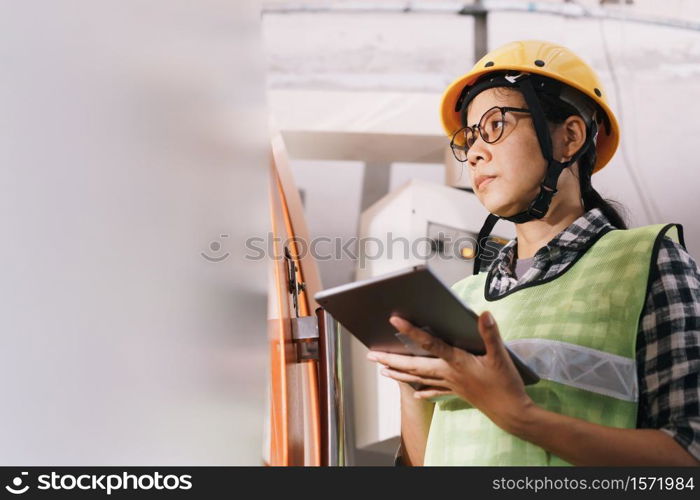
point(215, 247)
point(17, 483)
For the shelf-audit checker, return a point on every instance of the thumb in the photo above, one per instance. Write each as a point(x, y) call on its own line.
point(491, 336)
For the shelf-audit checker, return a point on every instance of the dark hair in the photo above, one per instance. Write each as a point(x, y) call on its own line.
point(556, 112)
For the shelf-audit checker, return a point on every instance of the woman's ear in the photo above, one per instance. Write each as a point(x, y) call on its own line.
point(574, 135)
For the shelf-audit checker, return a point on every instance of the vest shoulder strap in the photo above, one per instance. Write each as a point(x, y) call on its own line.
point(672, 230)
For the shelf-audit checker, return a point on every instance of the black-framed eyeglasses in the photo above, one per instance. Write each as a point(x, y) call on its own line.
point(493, 125)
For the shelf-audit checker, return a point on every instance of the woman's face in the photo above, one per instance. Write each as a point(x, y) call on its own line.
point(515, 161)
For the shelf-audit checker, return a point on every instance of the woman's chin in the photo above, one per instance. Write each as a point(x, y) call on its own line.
point(501, 207)
point(494, 204)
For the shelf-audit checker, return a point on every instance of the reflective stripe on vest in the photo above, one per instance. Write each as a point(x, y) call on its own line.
point(578, 366)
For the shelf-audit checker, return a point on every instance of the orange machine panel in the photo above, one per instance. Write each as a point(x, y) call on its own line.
point(294, 418)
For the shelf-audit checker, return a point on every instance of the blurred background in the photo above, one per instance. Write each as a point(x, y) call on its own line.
point(133, 139)
point(136, 166)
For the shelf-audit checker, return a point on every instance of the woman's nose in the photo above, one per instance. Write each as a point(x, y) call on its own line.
point(477, 151)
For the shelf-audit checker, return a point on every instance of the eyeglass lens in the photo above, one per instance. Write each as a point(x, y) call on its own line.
point(491, 127)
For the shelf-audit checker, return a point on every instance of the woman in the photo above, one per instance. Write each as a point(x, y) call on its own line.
point(609, 317)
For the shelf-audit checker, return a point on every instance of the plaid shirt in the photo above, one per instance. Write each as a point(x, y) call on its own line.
point(668, 339)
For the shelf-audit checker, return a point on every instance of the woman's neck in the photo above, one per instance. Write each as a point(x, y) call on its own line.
point(537, 233)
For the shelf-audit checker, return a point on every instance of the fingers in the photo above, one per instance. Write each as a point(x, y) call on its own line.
point(431, 392)
point(426, 341)
point(416, 365)
point(412, 379)
point(491, 336)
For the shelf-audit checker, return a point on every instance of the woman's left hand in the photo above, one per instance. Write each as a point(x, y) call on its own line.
point(489, 382)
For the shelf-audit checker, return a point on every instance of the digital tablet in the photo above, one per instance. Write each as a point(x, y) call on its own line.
point(417, 295)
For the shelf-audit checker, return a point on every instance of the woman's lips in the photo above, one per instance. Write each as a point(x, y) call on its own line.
point(485, 182)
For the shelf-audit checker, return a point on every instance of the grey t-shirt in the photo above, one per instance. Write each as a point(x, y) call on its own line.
point(521, 266)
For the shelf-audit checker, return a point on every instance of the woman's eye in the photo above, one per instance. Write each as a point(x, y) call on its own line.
point(496, 124)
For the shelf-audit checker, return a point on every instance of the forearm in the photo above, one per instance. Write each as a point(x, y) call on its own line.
point(584, 443)
point(416, 416)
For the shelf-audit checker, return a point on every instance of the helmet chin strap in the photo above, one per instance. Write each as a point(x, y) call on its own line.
point(538, 208)
point(548, 188)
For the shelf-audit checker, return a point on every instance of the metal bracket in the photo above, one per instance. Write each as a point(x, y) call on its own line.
point(305, 337)
point(294, 287)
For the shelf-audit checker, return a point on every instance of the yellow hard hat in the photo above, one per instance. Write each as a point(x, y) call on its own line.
point(546, 59)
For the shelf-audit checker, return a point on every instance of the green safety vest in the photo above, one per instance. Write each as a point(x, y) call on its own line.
point(577, 330)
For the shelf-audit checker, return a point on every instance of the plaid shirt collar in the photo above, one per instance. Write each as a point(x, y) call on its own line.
point(572, 239)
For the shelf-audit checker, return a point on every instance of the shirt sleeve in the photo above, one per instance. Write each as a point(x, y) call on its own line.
point(668, 348)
